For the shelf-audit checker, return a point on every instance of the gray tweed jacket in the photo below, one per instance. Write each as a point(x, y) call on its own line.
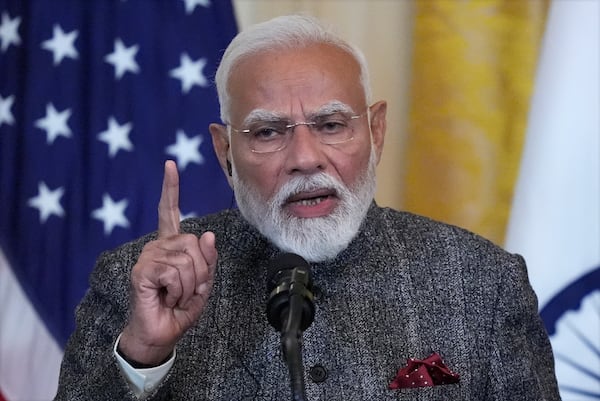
point(404, 288)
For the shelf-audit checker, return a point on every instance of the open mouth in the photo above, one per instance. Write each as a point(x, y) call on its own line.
point(316, 203)
point(311, 198)
point(311, 201)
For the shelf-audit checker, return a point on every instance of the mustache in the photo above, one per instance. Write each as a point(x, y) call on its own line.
point(306, 184)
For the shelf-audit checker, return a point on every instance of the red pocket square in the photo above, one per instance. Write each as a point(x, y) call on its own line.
point(428, 372)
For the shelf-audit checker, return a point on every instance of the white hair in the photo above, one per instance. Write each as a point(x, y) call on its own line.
point(316, 239)
point(285, 32)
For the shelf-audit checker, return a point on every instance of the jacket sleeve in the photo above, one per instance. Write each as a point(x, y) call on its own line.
point(522, 362)
point(90, 370)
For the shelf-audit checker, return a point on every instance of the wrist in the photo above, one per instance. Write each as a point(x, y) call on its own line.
point(139, 365)
point(139, 355)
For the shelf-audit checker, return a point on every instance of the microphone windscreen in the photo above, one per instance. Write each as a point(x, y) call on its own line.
point(281, 263)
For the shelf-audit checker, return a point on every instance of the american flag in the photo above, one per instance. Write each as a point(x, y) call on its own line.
point(94, 96)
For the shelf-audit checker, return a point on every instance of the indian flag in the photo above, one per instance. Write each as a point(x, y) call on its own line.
point(555, 218)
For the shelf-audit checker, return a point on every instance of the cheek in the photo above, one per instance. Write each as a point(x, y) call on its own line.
point(261, 175)
point(352, 172)
point(353, 166)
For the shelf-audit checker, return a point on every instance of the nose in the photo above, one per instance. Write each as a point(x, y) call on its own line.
point(305, 152)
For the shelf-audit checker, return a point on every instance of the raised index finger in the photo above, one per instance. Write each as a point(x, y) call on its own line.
point(168, 206)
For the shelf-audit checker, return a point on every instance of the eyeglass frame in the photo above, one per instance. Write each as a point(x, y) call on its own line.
point(290, 128)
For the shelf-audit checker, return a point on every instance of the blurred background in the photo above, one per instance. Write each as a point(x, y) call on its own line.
point(493, 125)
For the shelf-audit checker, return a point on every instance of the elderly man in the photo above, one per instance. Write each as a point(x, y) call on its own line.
point(405, 308)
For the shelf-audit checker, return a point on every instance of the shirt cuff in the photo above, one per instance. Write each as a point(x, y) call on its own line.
point(143, 381)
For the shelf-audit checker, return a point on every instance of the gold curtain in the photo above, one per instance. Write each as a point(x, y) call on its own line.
point(473, 71)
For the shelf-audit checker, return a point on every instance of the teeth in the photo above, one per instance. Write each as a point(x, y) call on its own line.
point(310, 202)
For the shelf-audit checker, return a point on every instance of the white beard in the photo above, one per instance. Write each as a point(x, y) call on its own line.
point(315, 239)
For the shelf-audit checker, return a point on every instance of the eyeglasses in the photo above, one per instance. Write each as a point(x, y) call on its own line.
point(274, 135)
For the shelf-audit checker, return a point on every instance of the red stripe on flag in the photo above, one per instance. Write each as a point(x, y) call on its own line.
point(2, 398)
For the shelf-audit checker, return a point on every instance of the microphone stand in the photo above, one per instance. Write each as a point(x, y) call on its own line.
point(291, 341)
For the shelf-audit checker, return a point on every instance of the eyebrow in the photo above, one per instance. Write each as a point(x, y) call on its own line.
point(333, 107)
point(258, 115)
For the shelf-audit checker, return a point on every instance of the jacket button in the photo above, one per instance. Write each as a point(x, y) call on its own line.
point(317, 374)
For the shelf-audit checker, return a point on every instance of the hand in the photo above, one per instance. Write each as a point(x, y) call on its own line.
point(171, 282)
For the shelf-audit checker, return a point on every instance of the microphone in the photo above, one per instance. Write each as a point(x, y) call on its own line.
point(288, 273)
point(291, 310)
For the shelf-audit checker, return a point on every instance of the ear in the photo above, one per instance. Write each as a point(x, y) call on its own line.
point(378, 126)
point(220, 141)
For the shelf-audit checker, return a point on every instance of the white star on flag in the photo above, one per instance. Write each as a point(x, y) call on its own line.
point(116, 136)
point(186, 150)
point(47, 202)
point(62, 44)
point(9, 34)
point(112, 214)
point(54, 123)
point(190, 73)
point(123, 59)
point(190, 5)
point(91, 96)
point(6, 115)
